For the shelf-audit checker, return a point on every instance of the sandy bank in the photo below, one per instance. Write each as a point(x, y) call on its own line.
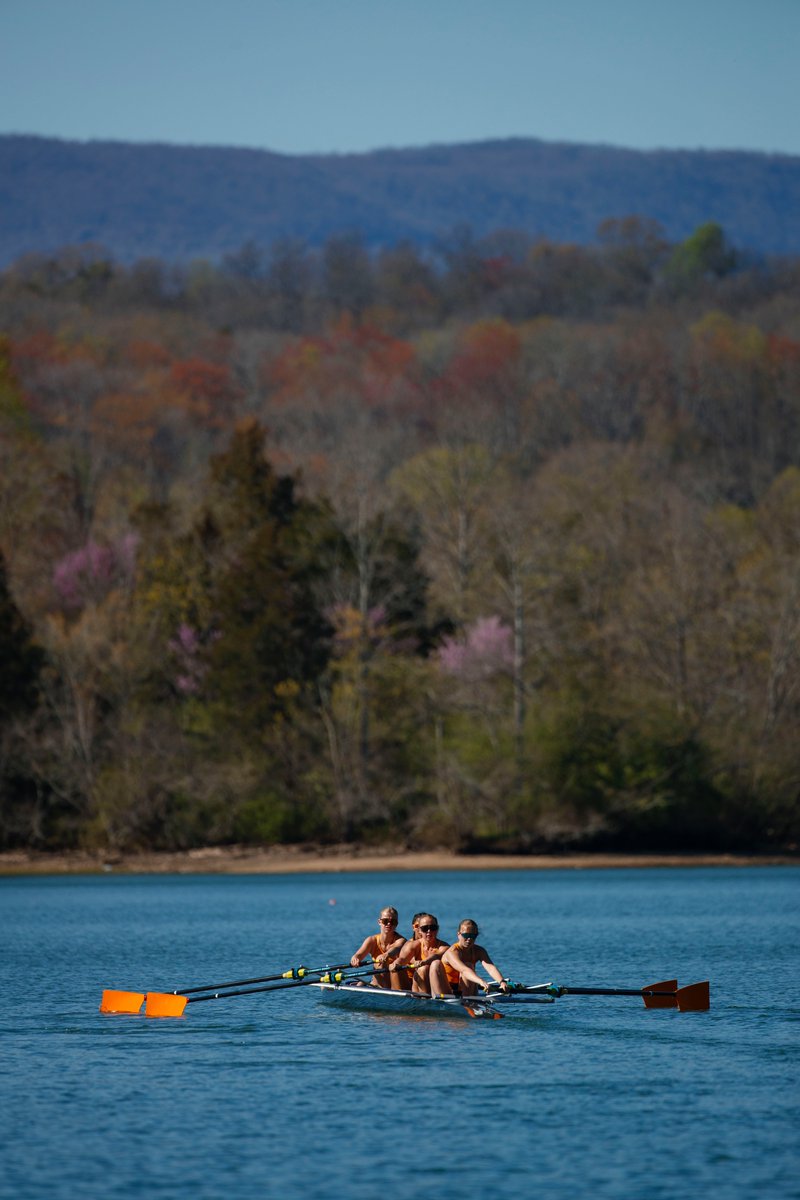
point(283, 860)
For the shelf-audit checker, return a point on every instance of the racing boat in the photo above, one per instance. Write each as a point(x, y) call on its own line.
point(383, 1000)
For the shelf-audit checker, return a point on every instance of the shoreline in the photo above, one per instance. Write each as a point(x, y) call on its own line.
point(288, 860)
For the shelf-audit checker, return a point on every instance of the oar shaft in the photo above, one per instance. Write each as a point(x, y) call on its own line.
point(310, 975)
point(277, 987)
point(291, 973)
point(313, 977)
point(587, 991)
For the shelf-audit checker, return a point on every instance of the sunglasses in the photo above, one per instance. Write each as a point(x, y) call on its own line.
point(469, 936)
point(386, 920)
point(428, 928)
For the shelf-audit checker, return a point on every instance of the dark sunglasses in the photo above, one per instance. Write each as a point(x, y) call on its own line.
point(387, 920)
point(470, 936)
point(428, 928)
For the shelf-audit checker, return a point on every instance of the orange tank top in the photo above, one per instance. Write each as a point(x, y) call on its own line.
point(453, 975)
point(377, 946)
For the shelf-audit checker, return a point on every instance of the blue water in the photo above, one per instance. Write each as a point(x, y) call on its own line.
point(280, 1096)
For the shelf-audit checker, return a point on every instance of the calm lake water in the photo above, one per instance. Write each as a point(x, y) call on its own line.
point(280, 1096)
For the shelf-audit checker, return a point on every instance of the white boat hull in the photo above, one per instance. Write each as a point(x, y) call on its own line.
point(382, 1000)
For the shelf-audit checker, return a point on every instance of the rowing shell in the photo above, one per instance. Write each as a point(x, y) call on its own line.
point(384, 1000)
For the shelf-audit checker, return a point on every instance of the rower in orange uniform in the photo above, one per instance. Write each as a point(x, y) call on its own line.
point(403, 980)
point(380, 947)
point(454, 972)
point(421, 953)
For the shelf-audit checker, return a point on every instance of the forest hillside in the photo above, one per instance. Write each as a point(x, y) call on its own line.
point(493, 548)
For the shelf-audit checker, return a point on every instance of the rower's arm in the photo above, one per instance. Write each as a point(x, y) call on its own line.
point(452, 958)
point(491, 969)
point(406, 954)
point(390, 951)
point(361, 952)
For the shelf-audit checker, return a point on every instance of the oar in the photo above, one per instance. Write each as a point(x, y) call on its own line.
point(477, 1008)
point(292, 973)
point(695, 997)
point(131, 1002)
point(168, 1004)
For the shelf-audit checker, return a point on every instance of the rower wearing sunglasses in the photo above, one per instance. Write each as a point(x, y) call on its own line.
point(380, 947)
point(454, 972)
point(421, 953)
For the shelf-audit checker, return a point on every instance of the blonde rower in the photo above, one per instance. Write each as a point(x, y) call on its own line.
point(380, 947)
point(455, 970)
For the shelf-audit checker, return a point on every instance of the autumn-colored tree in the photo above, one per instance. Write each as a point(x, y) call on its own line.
point(207, 390)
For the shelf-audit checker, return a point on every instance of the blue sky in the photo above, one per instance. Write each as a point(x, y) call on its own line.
point(303, 76)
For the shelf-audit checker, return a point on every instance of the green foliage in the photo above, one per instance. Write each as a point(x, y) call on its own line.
point(640, 783)
point(272, 817)
point(705, 255)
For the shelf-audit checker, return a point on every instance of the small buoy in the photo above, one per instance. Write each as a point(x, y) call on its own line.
point(331, 901)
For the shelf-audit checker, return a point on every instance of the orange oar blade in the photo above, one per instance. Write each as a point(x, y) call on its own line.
point(694, 998)
point(482, 1012)
point(666, 985)
point(160, 1004)
point(121, 1002)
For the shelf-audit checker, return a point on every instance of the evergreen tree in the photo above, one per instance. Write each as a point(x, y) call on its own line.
point(272, 637)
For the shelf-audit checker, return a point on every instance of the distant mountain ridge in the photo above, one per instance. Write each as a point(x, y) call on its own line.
point(184, 202)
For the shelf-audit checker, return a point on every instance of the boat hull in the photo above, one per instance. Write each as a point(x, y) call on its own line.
point(382, 1000)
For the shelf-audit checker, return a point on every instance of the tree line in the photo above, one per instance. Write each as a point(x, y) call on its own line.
point(497, 549)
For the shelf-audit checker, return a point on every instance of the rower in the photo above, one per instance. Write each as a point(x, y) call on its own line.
point(380, 947)
point(421, 953)
point(405, 976)
point(454, 972)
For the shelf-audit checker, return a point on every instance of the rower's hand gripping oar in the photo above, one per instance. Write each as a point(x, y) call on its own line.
point(131, 1002)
